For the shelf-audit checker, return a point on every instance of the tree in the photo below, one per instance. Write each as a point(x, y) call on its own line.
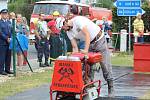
point(104, 3)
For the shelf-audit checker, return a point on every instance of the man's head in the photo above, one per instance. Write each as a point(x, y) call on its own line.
point(41, 16)
point(104, 18)
point(55, 14)
point(69, 16)
point(138, 15)
point(4, 14)
point(68, 25)
point(12, 15)
point(74, 9)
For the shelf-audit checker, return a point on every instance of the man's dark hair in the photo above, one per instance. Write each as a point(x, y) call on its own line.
point(74, 9)
point(66, 21)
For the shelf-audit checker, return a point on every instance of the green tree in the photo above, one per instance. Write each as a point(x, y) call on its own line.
point(22, 7)
point(104, 3)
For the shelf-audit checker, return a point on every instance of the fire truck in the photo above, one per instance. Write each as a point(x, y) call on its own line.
point(64, 7)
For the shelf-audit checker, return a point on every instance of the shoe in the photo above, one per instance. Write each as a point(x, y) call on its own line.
point(41, 65)
point(9, 72)
point(3, 73)
point(46, 64)
point(24, 63)
point(110, 88)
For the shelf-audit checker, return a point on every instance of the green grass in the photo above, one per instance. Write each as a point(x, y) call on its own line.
point(21, 83)
point(122, 59)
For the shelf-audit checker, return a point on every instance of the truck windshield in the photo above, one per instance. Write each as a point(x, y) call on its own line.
point(48, 9)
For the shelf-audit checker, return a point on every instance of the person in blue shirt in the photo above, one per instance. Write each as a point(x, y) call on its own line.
point(5, 37)
point(22, 33)
point(106, 27)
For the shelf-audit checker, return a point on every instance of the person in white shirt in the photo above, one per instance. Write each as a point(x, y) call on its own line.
point(42, 41)
point(82, 28)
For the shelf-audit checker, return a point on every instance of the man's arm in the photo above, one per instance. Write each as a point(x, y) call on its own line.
point(4, 36)
point(74, 45)
point(37, 34)
point(87, 39)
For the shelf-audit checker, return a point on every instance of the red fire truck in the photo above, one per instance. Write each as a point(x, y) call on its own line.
point(48, 7)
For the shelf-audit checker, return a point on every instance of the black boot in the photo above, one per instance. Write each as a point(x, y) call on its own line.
point(41, 64)
point(110, 88)
point(46, 64)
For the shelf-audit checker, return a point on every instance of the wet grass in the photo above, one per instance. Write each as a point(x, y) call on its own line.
point(21, 83)
point(122, 59)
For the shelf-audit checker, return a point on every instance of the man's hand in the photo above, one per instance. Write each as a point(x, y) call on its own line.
point(141, 33)
point(8, 40)
point(39, 37)
point(84, 51)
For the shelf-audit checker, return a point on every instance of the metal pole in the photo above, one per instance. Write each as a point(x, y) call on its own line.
point(24, 55)
point(14, 46)
point(129, 35)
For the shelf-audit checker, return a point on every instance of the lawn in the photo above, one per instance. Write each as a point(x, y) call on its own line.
point(122, 59)
point(21, 83)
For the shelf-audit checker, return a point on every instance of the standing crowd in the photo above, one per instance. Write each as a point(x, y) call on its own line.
point(6, 42)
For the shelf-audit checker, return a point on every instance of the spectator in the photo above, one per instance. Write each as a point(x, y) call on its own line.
point(138, 29)
point(54, 40)
point(12, 15)
point(22, 32)
point(106, 27)
point(26, 31)
point(42, 41)
point(53, 26)
point(5, 37)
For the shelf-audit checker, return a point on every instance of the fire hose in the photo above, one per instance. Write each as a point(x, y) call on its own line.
point(117, 78)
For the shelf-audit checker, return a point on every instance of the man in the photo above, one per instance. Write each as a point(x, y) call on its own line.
point(94, 41)
point(5, 36)
point(138, 29)
point(53, 25)
point(42, 41)
point(55, 40)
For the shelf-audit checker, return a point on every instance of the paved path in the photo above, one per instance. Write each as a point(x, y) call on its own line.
point(128, 87)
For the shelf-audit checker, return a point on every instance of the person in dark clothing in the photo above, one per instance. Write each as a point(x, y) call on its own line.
point(5, 37)
point(42, 42)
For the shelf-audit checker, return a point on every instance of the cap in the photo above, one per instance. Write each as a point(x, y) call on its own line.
point(138, 14)
point(55, 13)
point(4, 11)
